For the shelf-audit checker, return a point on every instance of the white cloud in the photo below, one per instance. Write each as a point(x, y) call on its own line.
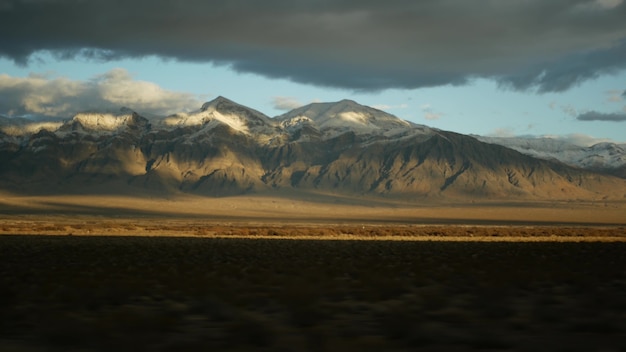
point(286, 103)
point(570, 110)
point(43, 94)
point(390, 107)
point(552, 105)
point(429, 113)
point(615, 96)
point(502, 132)
point(579, 139)
point(432, 115)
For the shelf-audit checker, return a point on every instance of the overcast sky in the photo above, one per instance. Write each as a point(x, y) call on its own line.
point(491, 67)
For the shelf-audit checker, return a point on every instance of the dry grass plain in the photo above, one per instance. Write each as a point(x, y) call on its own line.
point(254, 273)
point(314, 209)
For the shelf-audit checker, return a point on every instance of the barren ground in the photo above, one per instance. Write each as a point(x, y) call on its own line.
point(254, 273)
point(314, 209)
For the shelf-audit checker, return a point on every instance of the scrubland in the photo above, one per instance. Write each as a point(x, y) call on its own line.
point(347, 231)
point(79, 273)
point(128, 293)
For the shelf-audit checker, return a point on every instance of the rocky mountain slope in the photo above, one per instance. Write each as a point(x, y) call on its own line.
point(225, 148)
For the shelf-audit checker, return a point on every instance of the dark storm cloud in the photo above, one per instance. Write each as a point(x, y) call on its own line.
point(598, 116)
point(358, 44)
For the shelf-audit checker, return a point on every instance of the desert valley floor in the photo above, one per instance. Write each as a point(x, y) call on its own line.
point(255, 273)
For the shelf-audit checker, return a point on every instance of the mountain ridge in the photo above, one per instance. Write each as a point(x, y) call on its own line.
point(603, 156)
point(225, 148)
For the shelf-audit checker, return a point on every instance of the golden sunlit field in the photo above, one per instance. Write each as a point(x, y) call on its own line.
point(359, 278)
point(314, 208)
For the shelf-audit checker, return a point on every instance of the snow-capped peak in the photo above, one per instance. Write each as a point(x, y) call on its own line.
point(332, 119)
point(224, 111)
point(226, 107)
point(219, 101)
point(108, 121)
point(601, 155)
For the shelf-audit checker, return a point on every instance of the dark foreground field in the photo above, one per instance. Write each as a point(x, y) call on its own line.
point(74, 293)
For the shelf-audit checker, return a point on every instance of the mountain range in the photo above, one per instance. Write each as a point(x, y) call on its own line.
point(340, 148)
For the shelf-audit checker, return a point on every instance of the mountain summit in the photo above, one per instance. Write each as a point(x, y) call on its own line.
point(225, 148)
point(222, 111)
point(333, 119)
point(106, 122)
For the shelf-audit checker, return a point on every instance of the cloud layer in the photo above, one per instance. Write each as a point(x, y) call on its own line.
point(578, 139)
point(600, 116)
point(357, 44)
point(286, 103)
point(61, 97)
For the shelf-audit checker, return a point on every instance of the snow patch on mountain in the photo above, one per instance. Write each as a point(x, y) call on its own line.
point(211, 119)
point(96, 121)
point(223, 111)
point(333, 119)
point(598, 156)
point(101, 123)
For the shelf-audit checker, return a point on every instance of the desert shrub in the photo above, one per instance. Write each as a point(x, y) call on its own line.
point(251, 331)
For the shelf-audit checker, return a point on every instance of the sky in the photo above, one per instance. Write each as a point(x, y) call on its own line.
point(490, 67)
